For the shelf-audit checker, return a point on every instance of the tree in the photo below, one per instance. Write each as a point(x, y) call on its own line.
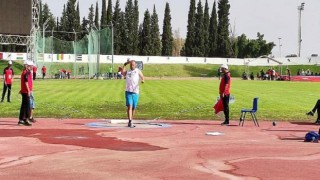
point(71, 23)
point(91, 17)
point(177, 43)
point(189, 45)
point(242, 43)
point(167, 38)
point(213, 32)
point(155, 34)
point(47, 15)
point(146, 48)
point(77, 20)
point(224, 48)
point(109, 12)
point(206, 23)
point(199, 35)
point(96, 17)
point(123, 35)
point(84, 26)
point(63, 23)
point(103, 19)
point(135, 30)
point(116, 28)
point(129, 19)
point(253, 48)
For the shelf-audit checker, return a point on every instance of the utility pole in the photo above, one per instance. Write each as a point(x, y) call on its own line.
point(300, 9)
point(280, 47)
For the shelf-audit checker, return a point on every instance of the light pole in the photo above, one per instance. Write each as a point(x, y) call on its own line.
point(75, 54)
point(300, 8)
point(280, 47)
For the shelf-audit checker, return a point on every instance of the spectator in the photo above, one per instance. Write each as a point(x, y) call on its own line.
point(44, 71)
point(252, 76)
point(34, 72)
point(110, 72)
point(7, 81)
point(303, 73)
point(258, 76)
point(69, 73)
point(288, 74)
point(262, 75)
point(244, 76)
point(219, 73)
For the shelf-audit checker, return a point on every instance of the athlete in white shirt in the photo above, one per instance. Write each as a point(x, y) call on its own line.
point(133, 75)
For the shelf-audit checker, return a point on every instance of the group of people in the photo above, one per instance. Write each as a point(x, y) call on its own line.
point(245, 76)
point(301, 72)
point(26, 91)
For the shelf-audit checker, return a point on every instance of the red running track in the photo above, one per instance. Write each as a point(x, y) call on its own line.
point(68, 149)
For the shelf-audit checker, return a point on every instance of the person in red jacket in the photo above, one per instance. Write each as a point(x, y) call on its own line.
point(34, 71)
point(44, 71)
point(25, 93)
point(8, 79)
point(224, 91)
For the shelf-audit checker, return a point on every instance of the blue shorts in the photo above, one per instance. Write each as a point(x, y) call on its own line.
point(132, 99)
point(32, 104)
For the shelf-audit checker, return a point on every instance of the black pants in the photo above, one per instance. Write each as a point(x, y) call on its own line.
point(5, 87)
point(225, 101)
point(317, 108)
point(34, 76)
point(25, 107)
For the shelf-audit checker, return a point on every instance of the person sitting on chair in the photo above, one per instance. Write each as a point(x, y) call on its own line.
point(316, 108)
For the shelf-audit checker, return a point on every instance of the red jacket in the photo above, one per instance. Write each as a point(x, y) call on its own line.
point(225, 84)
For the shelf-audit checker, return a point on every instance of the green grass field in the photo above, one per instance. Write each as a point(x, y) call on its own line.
point(165, 98)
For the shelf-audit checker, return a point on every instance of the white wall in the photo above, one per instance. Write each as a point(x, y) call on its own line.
point(67, 58)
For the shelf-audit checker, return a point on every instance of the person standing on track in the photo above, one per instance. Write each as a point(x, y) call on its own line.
point(133, 75)
point(31, 97)
point(224, 91)
point(8, 80)
point(25, 93)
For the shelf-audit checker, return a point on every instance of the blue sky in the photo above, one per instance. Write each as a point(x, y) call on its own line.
point(273, 18)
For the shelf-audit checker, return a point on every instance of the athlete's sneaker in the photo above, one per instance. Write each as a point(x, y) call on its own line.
point(21, 123)
point(27, 123)
point(309, 113)
point(130, 125)
point(225, 123)
point(32, 120)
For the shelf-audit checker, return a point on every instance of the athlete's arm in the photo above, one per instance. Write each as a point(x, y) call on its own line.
point(141, 77)
point(123, 69)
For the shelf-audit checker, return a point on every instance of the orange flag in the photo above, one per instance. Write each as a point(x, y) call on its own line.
point(218, 106)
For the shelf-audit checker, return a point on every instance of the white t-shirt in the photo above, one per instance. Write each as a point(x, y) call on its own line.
point(132, 80)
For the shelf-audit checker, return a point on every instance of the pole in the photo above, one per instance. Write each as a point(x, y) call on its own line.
point(99, 51)
point(112, 46)
point(75, 54)
point(300, 9)
point(280, 47)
